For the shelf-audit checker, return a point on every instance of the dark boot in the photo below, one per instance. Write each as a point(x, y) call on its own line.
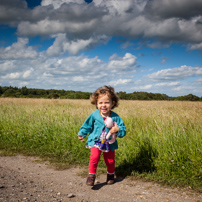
point(110, 179)
point(90, 180)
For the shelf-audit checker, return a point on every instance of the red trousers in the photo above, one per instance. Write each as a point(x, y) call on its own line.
point(109, 158)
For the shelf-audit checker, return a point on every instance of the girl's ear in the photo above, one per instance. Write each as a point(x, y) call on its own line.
point(113, 103)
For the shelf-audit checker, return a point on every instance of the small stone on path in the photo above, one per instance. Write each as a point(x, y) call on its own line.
point(70, 195)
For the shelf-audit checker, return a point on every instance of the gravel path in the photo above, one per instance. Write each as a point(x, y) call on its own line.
point(28, 179)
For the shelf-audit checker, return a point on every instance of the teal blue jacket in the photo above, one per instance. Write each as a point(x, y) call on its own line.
point(94, 124)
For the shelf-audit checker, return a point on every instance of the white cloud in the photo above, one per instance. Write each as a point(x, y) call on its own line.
point(77, 26)
point(24, 83)
point(167, 84)
point(197, 86)
point(45, 74)
point(18, 75)
point(61, 45)
point(74, 47)
point(116, 8)
point(182, 88)
point(124, 64)
point(56, 48)
point(7, 65)
point(120, 82)
point(72, 70)
point(18, 50)
point(27, 73)
point(199, 81)
point(57, 3)
point(15, 75)
point(176, 73)
point(173, 21)
point(79, 79)
point(195, 46)
point(145, 87)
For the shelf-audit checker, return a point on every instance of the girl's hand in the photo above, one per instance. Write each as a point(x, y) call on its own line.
point(115, 128)
point(81, 138)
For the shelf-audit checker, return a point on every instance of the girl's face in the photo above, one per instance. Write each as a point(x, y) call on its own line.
point(104, 104)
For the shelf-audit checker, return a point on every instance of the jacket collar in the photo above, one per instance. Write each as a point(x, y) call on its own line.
point(100, 118)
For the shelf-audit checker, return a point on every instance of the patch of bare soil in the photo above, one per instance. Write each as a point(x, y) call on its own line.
point(26, 179)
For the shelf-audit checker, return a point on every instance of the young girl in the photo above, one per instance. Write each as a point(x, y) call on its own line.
point(105, 99)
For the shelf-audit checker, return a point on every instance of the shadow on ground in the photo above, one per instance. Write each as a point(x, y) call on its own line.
point(100, 185)
point(141, 163)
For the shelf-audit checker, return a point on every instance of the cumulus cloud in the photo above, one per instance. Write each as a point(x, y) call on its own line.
point(18, 50)
point(20, 77)
point(13, 11)
point(171, 21)
point(15, 75)
point(123, 64)
point(74, 19)
point(7, 65)
point(57, 72)
point(61, 44)
point(140, 88)
point(27, 73)
point(195, 46)
point(116, 8)
point(76, 26)
point(176, 73)
point(120, 82)
point(183, 88)
point(167, 84)
point(57, 3)
point(173, 8)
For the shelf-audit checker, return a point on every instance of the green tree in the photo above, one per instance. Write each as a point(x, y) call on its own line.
point(54, 96)
point(9, 93)
point(191, 97)
point(1, 90)
point(24, 90)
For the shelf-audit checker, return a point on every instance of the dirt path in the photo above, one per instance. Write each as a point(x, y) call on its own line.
point(25, 179)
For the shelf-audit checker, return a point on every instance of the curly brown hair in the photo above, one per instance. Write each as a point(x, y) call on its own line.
point(105, 90)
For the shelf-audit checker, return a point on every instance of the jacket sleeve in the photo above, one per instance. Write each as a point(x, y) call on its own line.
point(122, 129)
point(87, 126)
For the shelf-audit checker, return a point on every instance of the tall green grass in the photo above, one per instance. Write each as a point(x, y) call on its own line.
point(163, 141)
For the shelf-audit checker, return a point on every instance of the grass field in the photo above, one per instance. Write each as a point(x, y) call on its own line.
point(163, 141)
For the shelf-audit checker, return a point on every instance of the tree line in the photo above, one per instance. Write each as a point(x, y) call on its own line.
point(24, 92)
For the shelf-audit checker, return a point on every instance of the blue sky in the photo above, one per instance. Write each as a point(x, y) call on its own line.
point(133, 45)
